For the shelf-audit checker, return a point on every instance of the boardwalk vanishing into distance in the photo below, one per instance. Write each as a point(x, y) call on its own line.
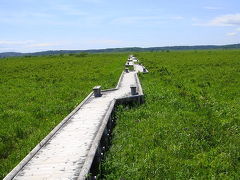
point(69, 150)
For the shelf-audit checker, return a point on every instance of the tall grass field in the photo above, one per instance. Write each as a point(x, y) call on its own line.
point(189, 126)
point(36, 93)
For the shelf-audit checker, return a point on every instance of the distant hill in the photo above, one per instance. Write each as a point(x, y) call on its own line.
point(128, 49)
point(9, 54)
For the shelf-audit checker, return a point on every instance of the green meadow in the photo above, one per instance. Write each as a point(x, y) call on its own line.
point(36, 93)
point(189, 126)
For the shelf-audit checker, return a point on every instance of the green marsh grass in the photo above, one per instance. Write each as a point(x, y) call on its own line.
point(36, 93)
point(189, 126)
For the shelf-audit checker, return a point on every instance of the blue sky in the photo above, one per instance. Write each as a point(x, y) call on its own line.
point(32, 25)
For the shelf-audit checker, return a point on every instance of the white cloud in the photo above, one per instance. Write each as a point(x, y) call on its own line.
point(212, 8)
point(69, 10)
point(6, 43)
point(177, 17)
point(134, 19)
point(140, 19)
point(24, 17)
point(232, 34)
point(194, 19)
point(4, 49)
point(224, 20)
point(105, 42)
point(93, 1)
point(40, 45)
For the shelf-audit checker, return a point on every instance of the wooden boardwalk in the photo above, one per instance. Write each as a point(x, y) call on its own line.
point(63, 153)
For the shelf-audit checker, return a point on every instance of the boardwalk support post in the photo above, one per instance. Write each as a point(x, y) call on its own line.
point(97, 91)
point(133, 89)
